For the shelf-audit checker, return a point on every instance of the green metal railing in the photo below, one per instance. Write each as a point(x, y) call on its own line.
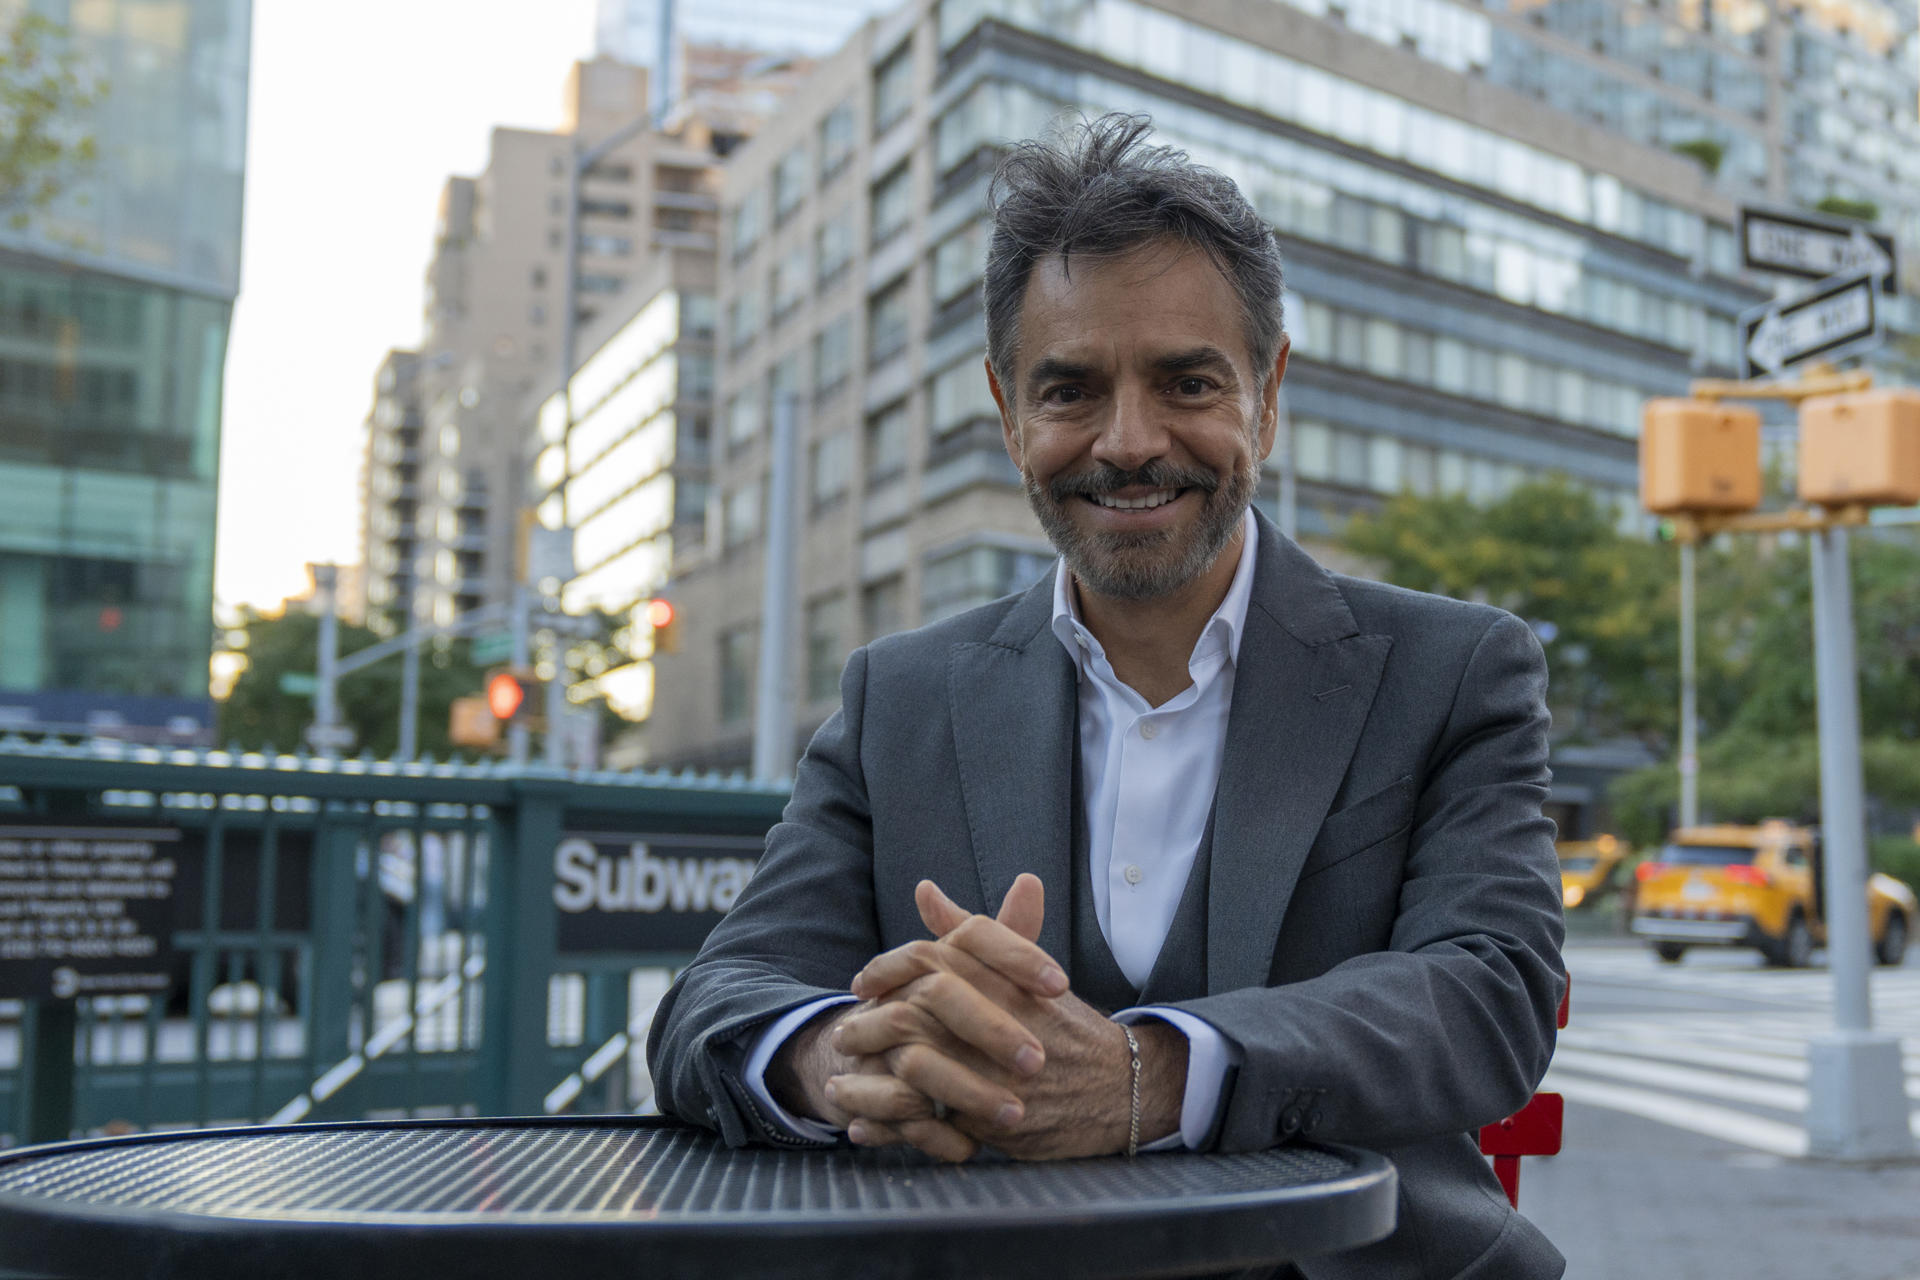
point(350, 938)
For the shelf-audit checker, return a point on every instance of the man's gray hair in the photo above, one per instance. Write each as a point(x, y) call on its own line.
point(1102, 191)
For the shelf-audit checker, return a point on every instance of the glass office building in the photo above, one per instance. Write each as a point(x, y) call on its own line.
point(114, 307)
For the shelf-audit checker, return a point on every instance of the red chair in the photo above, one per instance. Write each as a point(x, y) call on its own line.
point(1533, 1130)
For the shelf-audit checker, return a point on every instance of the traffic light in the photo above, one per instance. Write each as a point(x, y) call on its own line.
point(510, 696)
point(1698, 456)
point(664, 618)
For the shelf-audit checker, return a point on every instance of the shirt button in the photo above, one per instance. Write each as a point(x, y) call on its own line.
point(1148, 729)
point(1133, 874)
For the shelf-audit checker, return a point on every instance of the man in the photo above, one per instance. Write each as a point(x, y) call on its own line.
point(1286, 823)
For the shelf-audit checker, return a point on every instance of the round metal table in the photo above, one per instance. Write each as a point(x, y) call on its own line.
point(590, 1197)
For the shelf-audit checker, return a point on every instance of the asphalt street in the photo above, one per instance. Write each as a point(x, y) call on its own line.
point(1685, 1150)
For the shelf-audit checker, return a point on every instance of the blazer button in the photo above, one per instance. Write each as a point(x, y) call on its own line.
point(1290, 1120)
point(1313, 1121)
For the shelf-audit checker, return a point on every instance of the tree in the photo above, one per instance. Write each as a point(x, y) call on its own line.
point(258, 713)
point(1603, 603)
point(46, 91)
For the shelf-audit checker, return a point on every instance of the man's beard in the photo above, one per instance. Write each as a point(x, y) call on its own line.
point(1152, 563)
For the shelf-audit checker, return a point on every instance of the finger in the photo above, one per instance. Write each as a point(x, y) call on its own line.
point(1024, 907)
point(938, 1077)
point(1020, 960)
point(884, 1097)
point(935, 1137)
point(942, 1008)
point(891, 970)
point(938, 912)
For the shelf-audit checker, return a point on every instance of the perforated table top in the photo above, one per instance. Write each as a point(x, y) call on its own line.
point(588, 1197)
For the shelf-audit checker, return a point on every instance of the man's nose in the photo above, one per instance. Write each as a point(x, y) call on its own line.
point(1134, 433)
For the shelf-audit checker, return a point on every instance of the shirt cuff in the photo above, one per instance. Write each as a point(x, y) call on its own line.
point(1210, 1056)
point(769, 1044)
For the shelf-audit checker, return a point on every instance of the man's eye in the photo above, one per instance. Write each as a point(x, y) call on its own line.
point(1192, 386)
point(1063, 395)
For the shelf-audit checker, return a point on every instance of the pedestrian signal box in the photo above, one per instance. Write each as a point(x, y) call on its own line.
point(664, 618)
point(1861, 448)
point(508, 693)
point(472, 723)
point(1699, 456)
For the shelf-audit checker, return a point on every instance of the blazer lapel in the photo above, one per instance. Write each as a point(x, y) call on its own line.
point(1014, 704)
point(1304, 681)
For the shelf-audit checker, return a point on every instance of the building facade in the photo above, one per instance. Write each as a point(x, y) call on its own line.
point(114, 309)
point(1479, 291)
point(390, 494)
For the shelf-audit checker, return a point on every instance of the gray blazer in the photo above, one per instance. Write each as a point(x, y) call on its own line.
point(1384, 920)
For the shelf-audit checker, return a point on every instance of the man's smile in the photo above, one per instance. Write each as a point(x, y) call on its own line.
point(1141, 502)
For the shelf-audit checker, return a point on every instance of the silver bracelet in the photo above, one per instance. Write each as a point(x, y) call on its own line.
point(1133, 1124)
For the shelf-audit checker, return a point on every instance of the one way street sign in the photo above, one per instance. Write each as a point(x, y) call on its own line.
point(1831, 320)
point(1813, 248)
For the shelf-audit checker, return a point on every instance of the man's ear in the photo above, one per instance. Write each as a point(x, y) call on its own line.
point(1009, 431)
point(1270, 400)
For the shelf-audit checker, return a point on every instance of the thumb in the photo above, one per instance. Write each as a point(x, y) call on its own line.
point(938, 912)
point(1025, 906)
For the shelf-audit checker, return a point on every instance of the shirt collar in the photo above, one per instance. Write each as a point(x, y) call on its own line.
point(1219, 638)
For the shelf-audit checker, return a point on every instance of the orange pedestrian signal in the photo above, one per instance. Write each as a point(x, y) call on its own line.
point(664, 619)
point(506, 694)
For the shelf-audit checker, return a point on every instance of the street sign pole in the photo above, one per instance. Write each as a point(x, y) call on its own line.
point(410, 697)
point(1856, 1095)
point(324, 734)
point(773, 702)
point(1689, 694)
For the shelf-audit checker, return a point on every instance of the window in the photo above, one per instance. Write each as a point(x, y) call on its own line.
point(883, 607)
point(784, 378)
point(826, 646)
point(736, 673)
point(745, 418)
point(829, 467)
point(960, 580)
point(590, 208)
point(697, 314)
point(791, 280)
point(960, 396)
point(833, 246)
point(748, 222)
point(959, 260)
point(743, 318)
point(893, 88)
point(892, 203)
point(886, 444)
point(836, 140)
point(790, 182)
point(1313, 450)
point(740, 515)
point(606, 246)
point(595, 283)
point(887, 322)
point(832, 355)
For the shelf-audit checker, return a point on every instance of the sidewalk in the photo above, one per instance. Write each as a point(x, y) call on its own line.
point(1629, 1199)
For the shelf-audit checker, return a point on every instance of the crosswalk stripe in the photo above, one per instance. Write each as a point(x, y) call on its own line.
point(1642, 1044)
point(1713, 1084)
point(1724, 1123)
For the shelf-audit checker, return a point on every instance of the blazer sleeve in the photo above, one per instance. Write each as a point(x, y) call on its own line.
point(1453, 1025)
point(801, 929)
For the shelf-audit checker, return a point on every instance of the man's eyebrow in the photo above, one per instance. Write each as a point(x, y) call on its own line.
point(1201, 357)
point(1053, 369)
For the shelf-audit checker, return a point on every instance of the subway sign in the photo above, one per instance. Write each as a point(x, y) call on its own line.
point(628, 893)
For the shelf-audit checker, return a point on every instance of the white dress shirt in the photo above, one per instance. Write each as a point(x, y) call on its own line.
point(1147, 780)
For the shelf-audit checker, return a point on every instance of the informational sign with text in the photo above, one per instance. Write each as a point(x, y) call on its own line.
point(636, 893)
point(86, 910)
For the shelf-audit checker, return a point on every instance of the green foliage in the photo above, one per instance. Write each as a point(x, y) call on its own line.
point(1551, 554)
point(1706, 151)
point(1898, 857)
point(1846, 207)
point(45, 89)
point(258, 714)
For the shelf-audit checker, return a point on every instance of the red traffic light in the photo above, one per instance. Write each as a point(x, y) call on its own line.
point(659, 613)
point(505, 695)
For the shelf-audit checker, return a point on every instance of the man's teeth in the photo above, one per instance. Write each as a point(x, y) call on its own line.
point(1137, 504)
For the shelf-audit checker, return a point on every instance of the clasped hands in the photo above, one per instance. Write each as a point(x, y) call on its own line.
point(973, 1038)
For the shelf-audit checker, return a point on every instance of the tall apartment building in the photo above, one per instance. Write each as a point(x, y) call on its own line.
point(494, 302)
point(390, 494)
point(1479, 291)
point(114, 308)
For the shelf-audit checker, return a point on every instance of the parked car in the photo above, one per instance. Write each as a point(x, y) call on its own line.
point(1587, 867)
point(1755, 886)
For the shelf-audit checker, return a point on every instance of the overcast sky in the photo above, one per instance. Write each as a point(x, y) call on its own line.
point(360, 110)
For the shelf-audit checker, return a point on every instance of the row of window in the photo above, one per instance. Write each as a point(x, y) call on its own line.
point(796, 172)
point(1389, 349)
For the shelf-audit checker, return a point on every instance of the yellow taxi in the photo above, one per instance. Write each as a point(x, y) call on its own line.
point(1758, 887)
point(1586, 867)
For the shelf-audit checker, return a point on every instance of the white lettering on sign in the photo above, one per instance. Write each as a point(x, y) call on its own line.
point(586, 879)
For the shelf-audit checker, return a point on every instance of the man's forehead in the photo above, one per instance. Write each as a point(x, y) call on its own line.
point(1149, 305)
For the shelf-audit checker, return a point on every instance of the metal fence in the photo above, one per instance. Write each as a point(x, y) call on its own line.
point(353, 938)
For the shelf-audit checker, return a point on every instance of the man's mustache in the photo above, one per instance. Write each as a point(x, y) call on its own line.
point(1107, 480)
